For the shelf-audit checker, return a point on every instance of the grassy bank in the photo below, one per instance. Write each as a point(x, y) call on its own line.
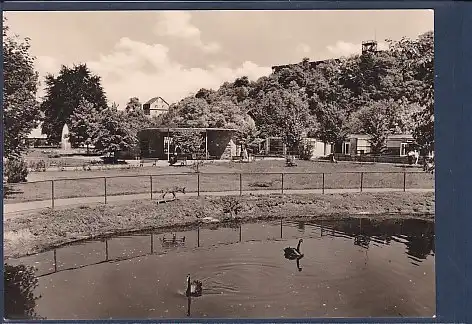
point(36, 231)
point(217, 177)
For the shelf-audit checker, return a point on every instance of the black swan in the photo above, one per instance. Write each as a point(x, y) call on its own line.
point(293, 253)
point(194, 288)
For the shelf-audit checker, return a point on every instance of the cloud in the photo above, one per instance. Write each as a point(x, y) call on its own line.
point(177, 24)
point(344, 49)
point(137, 69)
point(303, 49)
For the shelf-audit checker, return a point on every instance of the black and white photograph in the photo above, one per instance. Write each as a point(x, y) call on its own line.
point(218, 164)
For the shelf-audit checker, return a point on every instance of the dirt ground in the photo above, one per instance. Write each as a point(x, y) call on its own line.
point(34, 232)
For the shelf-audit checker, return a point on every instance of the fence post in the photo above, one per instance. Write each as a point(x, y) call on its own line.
point(106, 249)
point(282, 183)
point(150, 181)
point(240, 184)
point(198, 236)
point(240, 233)
point(362, 180)
point(152, 243)
point(281, 229)
point(404, 181)
point(198, 184)
point(52, 194)
point(105, 184)
point(55, 261)
point(323, 185)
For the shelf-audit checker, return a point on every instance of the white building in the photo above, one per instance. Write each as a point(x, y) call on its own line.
point(155, 107)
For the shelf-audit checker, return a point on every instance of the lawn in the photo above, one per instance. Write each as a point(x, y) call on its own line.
point(218, 176)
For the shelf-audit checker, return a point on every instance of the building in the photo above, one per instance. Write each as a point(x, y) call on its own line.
point(156, 143)
point(358, 144)
point(155, 107)
point(37, 139)
point(273, 146)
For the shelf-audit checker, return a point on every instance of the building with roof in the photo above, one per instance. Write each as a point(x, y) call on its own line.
point(396, 145)
point(157, 143)
point(155, 106)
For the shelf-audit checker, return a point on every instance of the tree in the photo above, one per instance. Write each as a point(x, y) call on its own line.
point(330, 102)
point(113, 132)
point(189, 141)
point(288, 116)
point(65, 93)
point(135, 116)
point(83, 124)
point(20, 282)
point(189, 112)
point(20, 108)
point(416, 59)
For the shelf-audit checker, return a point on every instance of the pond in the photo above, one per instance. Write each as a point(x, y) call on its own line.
point(351, 268)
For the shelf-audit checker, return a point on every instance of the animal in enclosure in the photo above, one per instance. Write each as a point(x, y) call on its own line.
point(172, 190)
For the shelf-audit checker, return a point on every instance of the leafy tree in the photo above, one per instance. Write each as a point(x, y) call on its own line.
point(113, 132)
point(189, 112)
point(135, 116)
point(20, 108)
point(65, 93)
point(20, 282)
point(288, 115)
point(330, 102)
point(189, 141)
point(416, 59)
point(83, 124)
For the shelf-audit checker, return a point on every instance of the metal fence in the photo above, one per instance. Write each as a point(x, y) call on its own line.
point(153, 186)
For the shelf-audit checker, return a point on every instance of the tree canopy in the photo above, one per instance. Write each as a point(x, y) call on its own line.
point(65, 93)
point(20, 107)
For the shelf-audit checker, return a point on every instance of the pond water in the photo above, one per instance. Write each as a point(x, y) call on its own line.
point(353, 268)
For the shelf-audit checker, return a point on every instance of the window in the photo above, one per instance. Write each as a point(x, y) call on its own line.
point(147, 109)
point(347, 148)
point(403, 149)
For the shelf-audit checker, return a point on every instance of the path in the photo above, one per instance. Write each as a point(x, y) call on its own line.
point(70, 202)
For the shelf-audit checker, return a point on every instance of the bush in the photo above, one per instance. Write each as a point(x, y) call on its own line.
point(16, 171)
point(306, 151)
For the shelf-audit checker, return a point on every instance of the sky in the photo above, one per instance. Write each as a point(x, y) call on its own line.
point(173, 54)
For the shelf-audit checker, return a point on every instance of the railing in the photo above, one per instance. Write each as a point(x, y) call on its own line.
point(211, 183)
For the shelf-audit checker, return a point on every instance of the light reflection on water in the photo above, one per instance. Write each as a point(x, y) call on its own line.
point(352, 268)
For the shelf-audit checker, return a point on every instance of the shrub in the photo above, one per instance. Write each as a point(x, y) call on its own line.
point(306, 151)
point(16, 170)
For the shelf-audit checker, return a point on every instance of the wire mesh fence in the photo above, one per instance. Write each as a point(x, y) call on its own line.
point(154, 186)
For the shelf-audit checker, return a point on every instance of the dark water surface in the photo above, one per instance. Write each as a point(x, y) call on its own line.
point(353, 268)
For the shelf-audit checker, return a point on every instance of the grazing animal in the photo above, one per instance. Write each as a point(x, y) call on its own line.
point(172, 190)
point(194, 288)
point(293, 253)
